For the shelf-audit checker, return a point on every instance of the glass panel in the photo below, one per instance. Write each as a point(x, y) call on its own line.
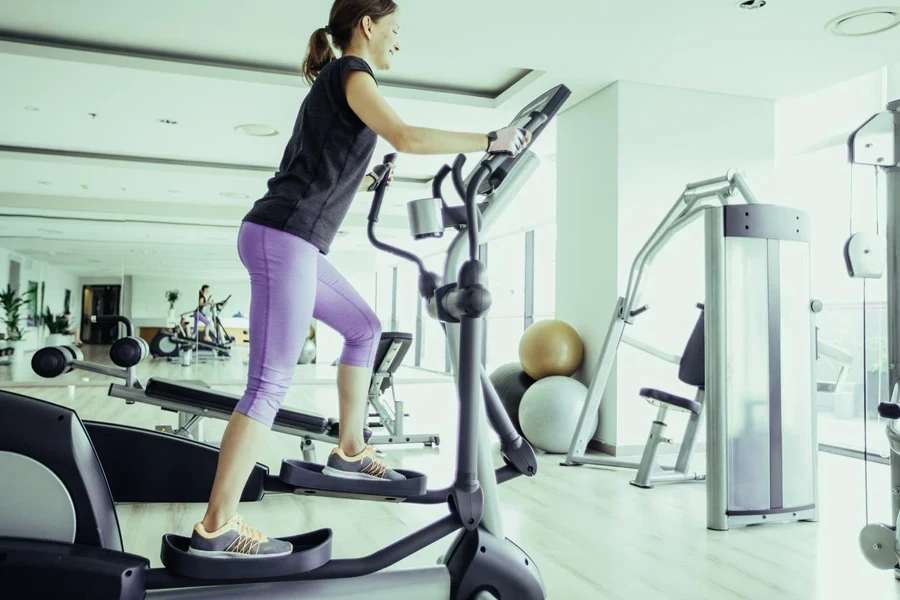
point(506, 281)
point(796, 375)
point(747, 372)
point(545, 272)
point(503, 334)
point(434, 342)
point(384, 297)
point(407, 297)
point(506, 276)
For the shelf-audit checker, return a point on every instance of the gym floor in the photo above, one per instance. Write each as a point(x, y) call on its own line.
point(592, 534)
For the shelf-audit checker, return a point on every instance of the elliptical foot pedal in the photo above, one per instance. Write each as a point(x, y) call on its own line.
point(311, 551)
point(309, 480)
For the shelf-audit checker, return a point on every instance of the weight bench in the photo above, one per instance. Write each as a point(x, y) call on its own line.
point(195, 400)
point(392, 349)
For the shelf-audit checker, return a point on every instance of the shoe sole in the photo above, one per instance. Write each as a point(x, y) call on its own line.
point(332, 472)
point(238, 555)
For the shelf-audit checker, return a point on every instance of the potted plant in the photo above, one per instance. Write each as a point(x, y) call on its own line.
point(57, 328)
point(11, 304)
point(172, 297)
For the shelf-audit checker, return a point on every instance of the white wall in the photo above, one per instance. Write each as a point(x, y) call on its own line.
point(586, 216)
point(624, 158)
point(893, 82)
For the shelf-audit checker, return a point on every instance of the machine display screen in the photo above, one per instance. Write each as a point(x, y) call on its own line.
point(548, 103)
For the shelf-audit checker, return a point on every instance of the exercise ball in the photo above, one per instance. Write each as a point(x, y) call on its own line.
point(549, 348)
point(308, 354)
point(510, 383)
point(549, 413)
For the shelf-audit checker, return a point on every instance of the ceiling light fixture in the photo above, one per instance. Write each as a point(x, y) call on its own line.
point(865, 22)
point(751, 4)
point(256, 130)
point(234, 195)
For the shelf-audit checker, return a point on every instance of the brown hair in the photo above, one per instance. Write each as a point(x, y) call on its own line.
point(345, 16)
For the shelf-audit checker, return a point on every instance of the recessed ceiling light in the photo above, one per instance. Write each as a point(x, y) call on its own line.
point(167, 121)
point(257, 130)
point(234, 195)
point(32, 109)
point(751, 4)
point(865, 22)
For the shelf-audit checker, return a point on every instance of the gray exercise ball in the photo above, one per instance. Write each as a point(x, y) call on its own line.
point(511, 382)
point(549, 413)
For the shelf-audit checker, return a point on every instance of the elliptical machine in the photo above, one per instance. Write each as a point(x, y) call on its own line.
point(59, 533)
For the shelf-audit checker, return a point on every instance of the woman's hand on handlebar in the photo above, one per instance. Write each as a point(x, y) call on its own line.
point(509, 140)
point(371, 180)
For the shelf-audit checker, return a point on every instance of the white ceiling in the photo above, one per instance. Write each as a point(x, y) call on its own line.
point(86, 83)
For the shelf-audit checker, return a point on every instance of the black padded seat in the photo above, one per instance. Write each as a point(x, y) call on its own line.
point(384, 345)
point(203, 397)
point(671, 399)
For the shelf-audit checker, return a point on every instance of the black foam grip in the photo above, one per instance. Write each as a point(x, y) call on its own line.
point(889, 410)
point(51, 362)
point(127, 352)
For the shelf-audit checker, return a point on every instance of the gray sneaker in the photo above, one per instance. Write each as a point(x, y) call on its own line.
point(236, 540)
point(365, 465)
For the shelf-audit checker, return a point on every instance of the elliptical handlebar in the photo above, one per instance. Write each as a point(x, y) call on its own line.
point(373, 218)
point(437, 184)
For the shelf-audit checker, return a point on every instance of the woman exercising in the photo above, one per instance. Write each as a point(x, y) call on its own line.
point(283, 242)
point(199, 315)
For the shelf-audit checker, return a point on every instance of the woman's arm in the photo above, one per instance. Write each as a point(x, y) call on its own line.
point(366, 101)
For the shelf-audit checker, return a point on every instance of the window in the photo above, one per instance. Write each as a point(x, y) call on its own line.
point(506, 280)
point(814, 175)
point(545, 272)
point(433, 341)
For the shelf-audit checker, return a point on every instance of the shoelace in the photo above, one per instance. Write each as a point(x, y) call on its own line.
point(376, 467)
point(248, 540)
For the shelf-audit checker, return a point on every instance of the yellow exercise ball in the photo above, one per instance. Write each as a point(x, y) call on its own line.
point(549, 348)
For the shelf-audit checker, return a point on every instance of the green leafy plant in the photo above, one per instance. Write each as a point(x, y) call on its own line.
point(55, 323)
point(12, 304)
point(172, 297)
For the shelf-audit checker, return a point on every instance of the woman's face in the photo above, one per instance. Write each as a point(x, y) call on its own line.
point(385, 43)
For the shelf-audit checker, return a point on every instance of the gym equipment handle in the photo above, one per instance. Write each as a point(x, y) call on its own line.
point(103, 320)
point(381, 187)
point(889, 410)
point(373, 218)
point(535, 122)
point(437, 184)
point(458, 181)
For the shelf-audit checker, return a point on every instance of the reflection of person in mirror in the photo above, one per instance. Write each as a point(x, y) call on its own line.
point(203, 301)
point(73, 332)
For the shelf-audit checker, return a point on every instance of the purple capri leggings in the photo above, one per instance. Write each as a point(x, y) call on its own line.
point(290, 283)
point(199, 317)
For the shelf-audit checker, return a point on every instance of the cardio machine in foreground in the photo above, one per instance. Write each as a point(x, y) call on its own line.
point(79, 550)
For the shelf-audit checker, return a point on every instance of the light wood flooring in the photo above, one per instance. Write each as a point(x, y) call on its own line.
point(591, 534)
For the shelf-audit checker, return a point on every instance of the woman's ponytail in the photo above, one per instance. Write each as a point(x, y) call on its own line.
point(318, 55)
